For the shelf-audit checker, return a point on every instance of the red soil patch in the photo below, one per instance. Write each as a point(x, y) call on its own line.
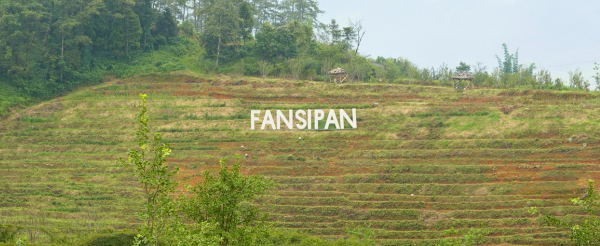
point(220, 95)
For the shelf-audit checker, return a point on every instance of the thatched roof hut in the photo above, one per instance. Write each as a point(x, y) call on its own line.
point(337, 71)
point(462, 76)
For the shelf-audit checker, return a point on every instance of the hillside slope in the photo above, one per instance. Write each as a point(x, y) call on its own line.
point(423, 160)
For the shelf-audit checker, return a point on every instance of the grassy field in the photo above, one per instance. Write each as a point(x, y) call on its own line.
point(424, 160)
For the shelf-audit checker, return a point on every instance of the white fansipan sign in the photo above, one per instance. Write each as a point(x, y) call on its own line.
point(308, 119)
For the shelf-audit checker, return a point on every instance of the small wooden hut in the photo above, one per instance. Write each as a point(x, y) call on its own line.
point(463, 76)
point(339, 74)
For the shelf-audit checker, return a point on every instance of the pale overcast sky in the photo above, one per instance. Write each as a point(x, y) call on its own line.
point(556, 35)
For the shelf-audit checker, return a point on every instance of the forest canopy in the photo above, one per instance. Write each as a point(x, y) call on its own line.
point(50, 47)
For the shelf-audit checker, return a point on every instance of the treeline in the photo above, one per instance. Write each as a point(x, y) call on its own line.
point(508, 74)
point(49, 47)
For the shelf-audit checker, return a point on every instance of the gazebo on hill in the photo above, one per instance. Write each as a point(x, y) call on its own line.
point(339, 73)
point(463, 76)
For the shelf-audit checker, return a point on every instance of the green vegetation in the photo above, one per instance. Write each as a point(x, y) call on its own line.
point(582, 234)
point(409, 176)
point(425, 159)
point(67, 45)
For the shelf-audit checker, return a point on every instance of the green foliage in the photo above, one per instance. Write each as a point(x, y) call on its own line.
point(126, 33)
point(166, 28)
point(577, 81)
point(463, 67)
point(8, 232)
point(356, 235)
point(117, 239)
point(597, 75)
point(274, 42)
point(155, 176)
point(472, 237)
point(586, 233)
point(511, 61)
point(227, 201)
point(247, 21)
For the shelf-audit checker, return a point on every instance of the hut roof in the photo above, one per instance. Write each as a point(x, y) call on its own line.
point(337, 71)
point(462, 75)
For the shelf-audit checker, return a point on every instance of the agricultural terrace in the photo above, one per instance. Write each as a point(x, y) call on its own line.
point(423, 160)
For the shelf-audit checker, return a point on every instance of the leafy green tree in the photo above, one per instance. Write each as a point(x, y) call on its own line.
point(392, 72)
point(463, 67)
point(265, 68)
point(597, 75)
point(558, 83)
point(227, 201)
point(166, 27)
point(272, 42)
point(247, 21)
point(127, 31)
point(222, 27)
point(586, 233)
point(543, 78)
point(146, 15)
point(577, 80)
point(303, 11)
point(304, 34)
point(335, 31)
point(155, 176)
point(511, 61)
point(349, 35)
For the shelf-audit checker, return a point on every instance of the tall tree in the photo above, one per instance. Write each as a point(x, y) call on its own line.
point(349, 35)
point(247, 21)
point(463, 67)
point(511, 61)
point(165, 27)
point(360, 33)
point(145, 13)
point(127, 31)
point(336, 33)
point(222, 27)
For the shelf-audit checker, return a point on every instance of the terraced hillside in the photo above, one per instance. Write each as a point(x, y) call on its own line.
point(425, 159)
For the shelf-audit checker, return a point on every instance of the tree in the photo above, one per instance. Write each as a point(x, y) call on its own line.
point(349, 36)
point(222, 27)
point(543, 79)
point(127, 31)
point(511, 61)
point(357, 68)
point(358, 28)
point(303, 11)
point(334, 30)
point(597, 75)
point(391, 70)
point(157, 179)
point(558, 83)
point(265, 68)
point(145, 13)
point(227, 200)
point(577, 81)
point(463, 67)
point(247, 21)
point(155, 176)
point(271, 42)
point(586, 233)
point(165, 27)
